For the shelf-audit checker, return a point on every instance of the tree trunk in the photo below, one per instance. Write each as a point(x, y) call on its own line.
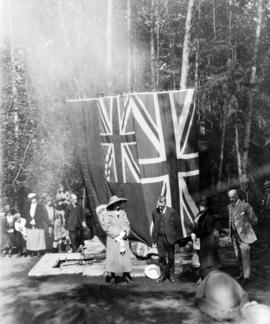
point(214, 19)
point(196, 76)
point(157, 56)
point(152, 47)
point(222, 145)
point(134, 61)
point(238, 153)
point(109, 45)
point(129, 46)
point(244, 180)
point(186, 47)
point(66, 44)
point(13, 71)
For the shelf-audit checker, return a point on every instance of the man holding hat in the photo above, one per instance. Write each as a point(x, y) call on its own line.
point(241, 219)
point(166, 231)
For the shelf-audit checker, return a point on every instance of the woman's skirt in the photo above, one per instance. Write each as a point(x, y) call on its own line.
point(35, 239)
point(115, 262)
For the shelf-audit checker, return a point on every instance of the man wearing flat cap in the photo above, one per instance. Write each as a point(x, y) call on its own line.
point(166, 231)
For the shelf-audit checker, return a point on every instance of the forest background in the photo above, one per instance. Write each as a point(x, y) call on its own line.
point(54, 50)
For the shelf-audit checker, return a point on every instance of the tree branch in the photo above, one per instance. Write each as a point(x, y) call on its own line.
point(25, 151)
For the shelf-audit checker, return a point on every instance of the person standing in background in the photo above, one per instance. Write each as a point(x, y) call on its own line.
point(36, 223)
point(74, 221)
point(241, 219)
point(207, 230)
point(50, 215)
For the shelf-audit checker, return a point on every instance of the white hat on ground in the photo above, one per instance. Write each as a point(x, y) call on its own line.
point(152, 271)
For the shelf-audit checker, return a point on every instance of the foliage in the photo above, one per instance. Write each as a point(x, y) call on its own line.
point(55, 50)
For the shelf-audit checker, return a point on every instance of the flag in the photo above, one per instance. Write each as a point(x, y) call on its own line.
point(146, 145)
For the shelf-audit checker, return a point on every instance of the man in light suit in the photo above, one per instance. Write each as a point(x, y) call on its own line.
point(74, 221)
point(166, 231)
point(241, 219)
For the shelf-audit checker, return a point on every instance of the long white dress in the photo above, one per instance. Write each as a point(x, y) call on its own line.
point(114, 223)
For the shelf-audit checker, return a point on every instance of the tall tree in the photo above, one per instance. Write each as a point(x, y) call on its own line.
point(109, 43)
point(152, 45)
point(244, 179)
point(186, 46)
point(129, 45)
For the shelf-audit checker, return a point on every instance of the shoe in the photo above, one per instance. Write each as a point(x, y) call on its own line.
point(126, 279)
point(245, 281)
point(197, 282)
point(161, 279)
point(128, 276)
point(109, 278)
point(172, 278)
point(239, 277)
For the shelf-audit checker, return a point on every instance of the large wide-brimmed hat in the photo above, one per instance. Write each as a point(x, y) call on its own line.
point(115, 199)
point(152, 271)
point(220, 296)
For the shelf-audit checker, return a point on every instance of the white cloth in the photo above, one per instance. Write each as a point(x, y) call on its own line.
point(20, 226)
point(33, 209)
point(50, 213)
point(35, 240)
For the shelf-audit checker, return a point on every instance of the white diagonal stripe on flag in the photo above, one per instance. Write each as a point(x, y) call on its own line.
point(105, 119)
point(179, 123)
point(127, 158)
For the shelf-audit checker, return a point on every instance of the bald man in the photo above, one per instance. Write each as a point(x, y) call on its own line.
point(241, 219)
point(74, 221)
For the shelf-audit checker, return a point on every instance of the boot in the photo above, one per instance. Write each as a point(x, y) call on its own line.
point(110, 277)
point(127, 277)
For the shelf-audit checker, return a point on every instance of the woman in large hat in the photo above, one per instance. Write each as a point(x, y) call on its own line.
point(117, 228)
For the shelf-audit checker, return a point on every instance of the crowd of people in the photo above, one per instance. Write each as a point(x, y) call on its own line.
point(60, 224)
point(44, 225)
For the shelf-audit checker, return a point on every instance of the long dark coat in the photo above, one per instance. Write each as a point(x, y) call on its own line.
point(74, 216)
point(204, 229)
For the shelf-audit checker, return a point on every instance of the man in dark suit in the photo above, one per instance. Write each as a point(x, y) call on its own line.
point(166, 231)
point(241, 219)
point(74, 221)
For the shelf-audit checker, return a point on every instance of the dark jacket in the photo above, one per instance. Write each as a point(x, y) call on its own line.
point(40, 217)
point(172, 225)
point(207, 229)
point(74, 216)
point(206, 224)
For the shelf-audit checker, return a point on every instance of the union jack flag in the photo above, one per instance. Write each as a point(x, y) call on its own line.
point(149, 147)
